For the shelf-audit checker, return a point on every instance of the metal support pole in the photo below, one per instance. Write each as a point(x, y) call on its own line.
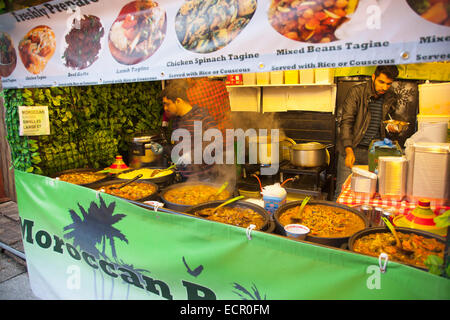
point(13, 251)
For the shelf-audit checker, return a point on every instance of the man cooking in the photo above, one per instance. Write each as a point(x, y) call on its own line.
point(186, 116)
point(212, 95)
point(360, 120)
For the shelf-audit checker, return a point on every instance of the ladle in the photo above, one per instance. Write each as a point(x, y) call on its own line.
point(302, 206)
point(221, 189)
point(227, 202)
point(157, 171)
point(397, 239)
point(300, 210)
point(128, 182)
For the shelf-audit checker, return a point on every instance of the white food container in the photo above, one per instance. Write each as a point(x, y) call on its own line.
point(429, 172)
point(392, 173)
point(324, 75)
point(434, 98)
point(363, 183)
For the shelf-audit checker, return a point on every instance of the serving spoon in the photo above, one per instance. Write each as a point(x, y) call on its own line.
point(222, 205)
point(228, 202)
point(397, 239)
point(156, 171)
point(128, 182)
point(300, 209)
point(222, 187)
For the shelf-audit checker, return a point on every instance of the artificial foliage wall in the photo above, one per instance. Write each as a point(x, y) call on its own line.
point(89, 125)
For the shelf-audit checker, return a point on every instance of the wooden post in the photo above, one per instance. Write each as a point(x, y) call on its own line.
point(7, 185)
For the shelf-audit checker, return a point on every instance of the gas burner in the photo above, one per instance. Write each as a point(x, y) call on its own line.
point(290, 168)
point(303, 178)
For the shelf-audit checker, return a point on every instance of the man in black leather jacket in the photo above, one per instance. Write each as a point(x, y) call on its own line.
point(360, 120)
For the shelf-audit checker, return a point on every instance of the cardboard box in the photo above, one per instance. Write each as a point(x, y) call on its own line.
point(262, 78)
point(276, 77)
point(249, 78)
point(307, 76)
point(324, 76)
point(291, 77)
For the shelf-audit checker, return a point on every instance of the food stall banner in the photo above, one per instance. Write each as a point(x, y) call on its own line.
point(86, 42)
point(84, 244)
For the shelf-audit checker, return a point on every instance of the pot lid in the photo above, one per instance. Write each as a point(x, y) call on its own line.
point(421, 223)
point(146, 138)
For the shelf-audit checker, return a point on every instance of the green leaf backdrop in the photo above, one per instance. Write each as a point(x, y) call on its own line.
point(89, 125)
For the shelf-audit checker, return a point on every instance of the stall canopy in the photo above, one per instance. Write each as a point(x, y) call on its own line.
point(85, 42)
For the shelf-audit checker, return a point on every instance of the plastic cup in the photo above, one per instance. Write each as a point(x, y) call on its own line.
point(296, 231)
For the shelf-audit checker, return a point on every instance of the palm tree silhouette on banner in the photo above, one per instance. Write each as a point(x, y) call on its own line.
point(137, 271)
point(95, 227)
point(255, 296)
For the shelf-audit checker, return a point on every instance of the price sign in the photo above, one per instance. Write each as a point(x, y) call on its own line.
point(34, 121)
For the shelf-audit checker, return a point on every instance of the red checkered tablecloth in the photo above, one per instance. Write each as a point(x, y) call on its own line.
point(349, 198)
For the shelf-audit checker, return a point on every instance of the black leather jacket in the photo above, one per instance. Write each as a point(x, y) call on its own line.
point(353, 116)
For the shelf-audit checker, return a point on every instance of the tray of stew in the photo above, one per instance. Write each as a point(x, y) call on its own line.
point(137, 191)
point(83, 176)
point(330, 223)
point(181, 196)
point(239, 213)
point(417, 245)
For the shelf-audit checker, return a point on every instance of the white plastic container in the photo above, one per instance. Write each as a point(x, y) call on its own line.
point(276, 77)
point(392, 173)
point(363, 183)
point(274, 196)
point(434, 98)
point(429, 173)
point(324, 76)
point(307, 76)
point(249, 78)
point(262, 78)
point(423, 119)
point(296, 231)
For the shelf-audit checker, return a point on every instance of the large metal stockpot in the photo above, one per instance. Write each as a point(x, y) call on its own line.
point(311, 154)
point(147, 150)
point(264, 148)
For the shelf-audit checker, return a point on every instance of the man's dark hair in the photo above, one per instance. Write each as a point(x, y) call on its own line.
point(175, 89)
point(390, 71)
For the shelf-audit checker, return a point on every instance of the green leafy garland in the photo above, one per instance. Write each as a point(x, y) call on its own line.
point(89, 125)
point(24, 153)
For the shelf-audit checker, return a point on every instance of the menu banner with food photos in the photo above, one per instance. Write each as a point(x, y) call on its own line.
point(85, 244)
point(84, 42)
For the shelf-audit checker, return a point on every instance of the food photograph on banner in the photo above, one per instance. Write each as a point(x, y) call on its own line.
point(161, 150)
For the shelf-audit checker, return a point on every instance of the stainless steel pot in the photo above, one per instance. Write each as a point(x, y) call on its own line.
point(311, 154)
point(265, 143)
point(145, 150)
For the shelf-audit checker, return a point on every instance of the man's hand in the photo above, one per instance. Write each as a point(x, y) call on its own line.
point(349, 157)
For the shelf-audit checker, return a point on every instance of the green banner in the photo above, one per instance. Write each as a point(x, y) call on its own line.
point(83, 244)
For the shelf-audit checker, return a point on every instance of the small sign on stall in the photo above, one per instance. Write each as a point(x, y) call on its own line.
point(34, 121)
